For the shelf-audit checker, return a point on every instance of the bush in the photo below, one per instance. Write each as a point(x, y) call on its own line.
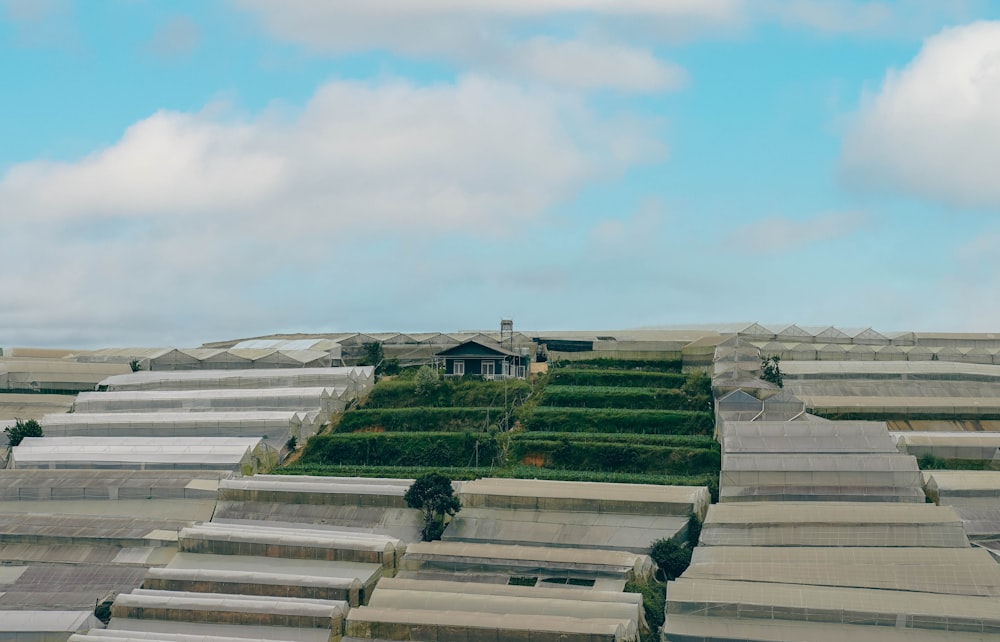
point(613, 397)
point(671, 558)
point(21, 429)
point(419, 420)
point(654, 602)
point(617, 378)
point(424, 391)
point(615, 457)
point(656, 422)
point(402, 449)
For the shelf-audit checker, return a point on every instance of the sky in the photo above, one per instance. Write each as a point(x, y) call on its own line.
point(173, 173)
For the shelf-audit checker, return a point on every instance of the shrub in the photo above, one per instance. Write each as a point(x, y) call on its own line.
point(22, 428)
point(419, 420)
point(770, 371)
point(671, 558)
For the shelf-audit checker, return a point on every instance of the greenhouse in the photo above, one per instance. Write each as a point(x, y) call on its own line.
point(356, 379)
point(294, 543)
point(594, 497)
point(965, 488)
point(54, 375)
point(326, 400)
point(302, 489)
point(546, 563)
point(52, 586)
point(164, 453)
point(74, 484)
point(865, 470)
point(176, 631)
point(955, 571)
point(396, 624)
point(30, 406)
point(214, 608)
point(951, 445)
point(832, 524)
point(249, 582)
point(44, 625)
point(275, 426)
point(842, 437)
point(854, 606)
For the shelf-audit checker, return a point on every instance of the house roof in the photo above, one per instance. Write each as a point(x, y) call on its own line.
point(463, 349)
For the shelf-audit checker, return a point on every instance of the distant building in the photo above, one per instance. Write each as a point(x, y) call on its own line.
point(476, 359)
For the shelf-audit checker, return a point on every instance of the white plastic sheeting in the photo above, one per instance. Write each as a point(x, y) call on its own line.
point(357, 380)
point(326, 400)
point(211, 453)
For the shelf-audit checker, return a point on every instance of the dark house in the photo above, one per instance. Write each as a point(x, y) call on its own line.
point(476, 359)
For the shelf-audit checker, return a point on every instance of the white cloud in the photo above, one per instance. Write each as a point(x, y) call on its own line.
point(176, 37)
point(933, 128)
point(780, 234)
point(204, 224)
point(507, 38)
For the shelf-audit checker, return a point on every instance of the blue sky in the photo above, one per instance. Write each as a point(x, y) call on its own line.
point(173, 173)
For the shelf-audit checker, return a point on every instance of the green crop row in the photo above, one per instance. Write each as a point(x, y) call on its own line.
point(407, 449)
point(611, 397)
point(420, 420)
point(616, 378)
point(446, 393)
point(614, 457)
point(510, 472)
point(654, 422)
point(688, 441)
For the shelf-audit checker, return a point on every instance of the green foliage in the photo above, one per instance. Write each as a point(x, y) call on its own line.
point(645, 365)
point(615, 457)
point(103, 610)
point(614, 397)
point(402, 449)
point(931, 462)
point(434, 496)
point(425, 383)
point(507, 472)
point(689, 441)
point(697, 389)
point(375, 356)
point(135, 365)
point(694, 530)
point(654, 602)
point(22, 428)
point(419, 420)
point(617, 378)
point(425, 391)
point(770, 370)
point(292, 444)
point(656, 422)
point(671, 558)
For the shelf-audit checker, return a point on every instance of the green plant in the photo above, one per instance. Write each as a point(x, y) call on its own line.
point(426, 381)
point(770, 370)
point(22, 428)
point(671, 558)
point(654, 599)
point(135, 365)
point(292, 444)
point(434, 496)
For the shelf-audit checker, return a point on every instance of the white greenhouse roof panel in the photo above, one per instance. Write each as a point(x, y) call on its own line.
point(44, 621)
point(267, 378)
point(585, 496)
point(955, 571)
point(842, 437)
point(180, 631)
point(77, 484)
point(222, 453)
point(274, 425)
point(219, 400)
point(796, 602)
point(897, 369)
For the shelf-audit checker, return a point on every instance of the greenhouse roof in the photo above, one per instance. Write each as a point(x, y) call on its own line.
point(306, 569)
point(872, 369)
point(51, 586)
point(958, 571)
point(179, 450)
point(206, 632)
point(820, 462)
point(44, 621)
point(807, 437)
point(34, 484)
point(846, 513)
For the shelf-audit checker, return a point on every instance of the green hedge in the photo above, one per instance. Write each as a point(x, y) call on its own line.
point(616, 378)
point(447, 393)
point(655, 422)
point(646, 365)
point(616, 397)
point(615, 457)
point(419, 420)
point(393, 449)
point(510, 472)
point(687, 441)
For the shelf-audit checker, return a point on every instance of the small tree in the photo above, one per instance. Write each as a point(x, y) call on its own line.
point(434, 496)
point(22, 429)
point(426, 381)
point(135, 365)
point(769, 370)
point(671, 558)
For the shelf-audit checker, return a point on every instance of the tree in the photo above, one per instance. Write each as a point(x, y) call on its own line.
point(671, 558)
point(426, 381)
point(22, 429)
point(135, 365)
point(434, 496)
point(769, 370)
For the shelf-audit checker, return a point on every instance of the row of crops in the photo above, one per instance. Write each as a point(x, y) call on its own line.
point(591, 421)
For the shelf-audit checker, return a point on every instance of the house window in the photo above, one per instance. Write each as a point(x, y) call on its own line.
point(489, 369)
point(458, 368)
point(520, 372)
